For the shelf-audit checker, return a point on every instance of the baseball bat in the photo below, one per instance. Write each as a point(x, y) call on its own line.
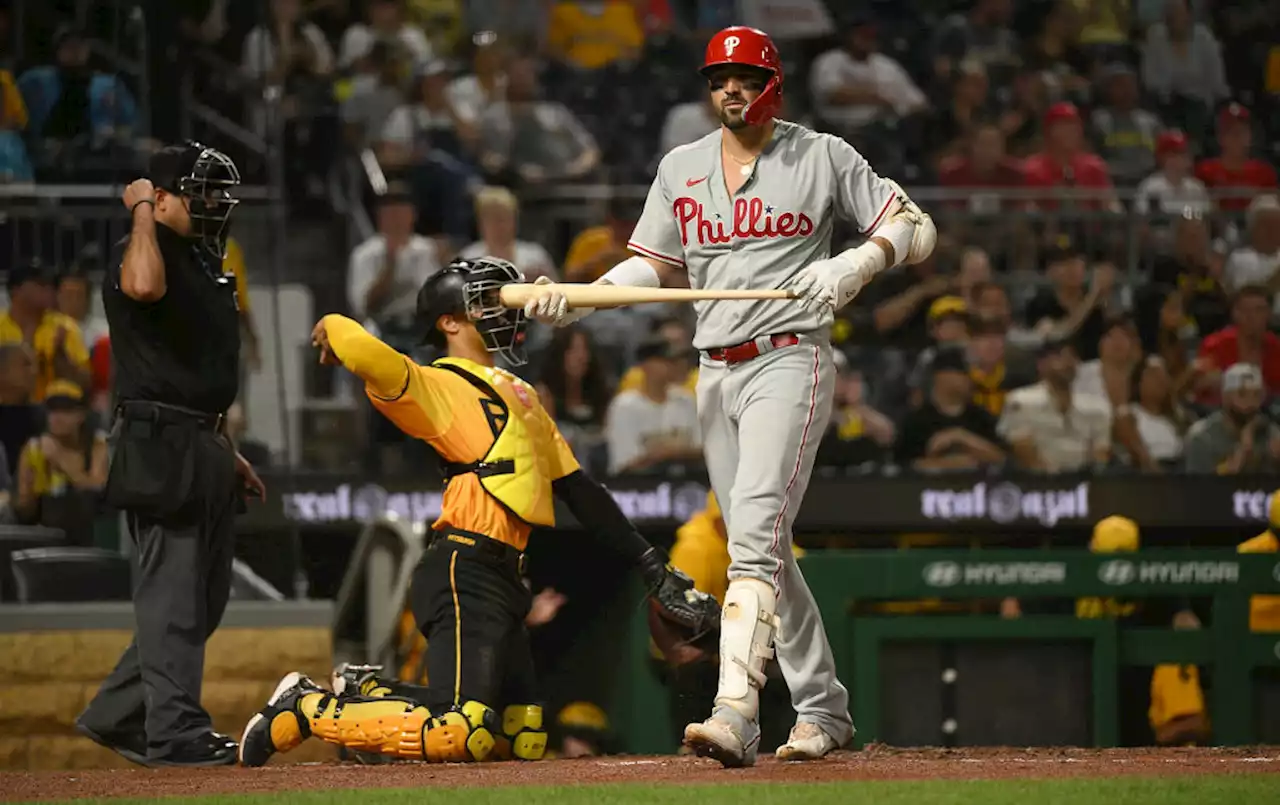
point(580, 295)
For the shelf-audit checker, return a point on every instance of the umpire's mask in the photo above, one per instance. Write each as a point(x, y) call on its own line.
point(502, 328)
point(205, 177)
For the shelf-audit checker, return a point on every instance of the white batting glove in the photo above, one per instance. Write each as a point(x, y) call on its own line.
point(551, 307)
point(834, 282)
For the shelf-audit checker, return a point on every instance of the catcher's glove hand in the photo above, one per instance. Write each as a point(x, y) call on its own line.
point(683, 621)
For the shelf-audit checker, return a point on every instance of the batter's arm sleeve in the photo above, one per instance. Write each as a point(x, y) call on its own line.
point(656, 235)
point(599, 514)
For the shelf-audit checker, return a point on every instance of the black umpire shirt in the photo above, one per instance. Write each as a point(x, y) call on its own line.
point(184, 348)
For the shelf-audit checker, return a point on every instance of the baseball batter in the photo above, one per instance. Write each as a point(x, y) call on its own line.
point(751, 206)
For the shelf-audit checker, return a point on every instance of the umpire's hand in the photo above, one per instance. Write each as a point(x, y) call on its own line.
point(138, 191)
point(252, 483)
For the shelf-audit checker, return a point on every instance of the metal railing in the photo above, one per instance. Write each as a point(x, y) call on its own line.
point(377, 582)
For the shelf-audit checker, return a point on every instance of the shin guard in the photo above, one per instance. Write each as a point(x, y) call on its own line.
point(747, 628)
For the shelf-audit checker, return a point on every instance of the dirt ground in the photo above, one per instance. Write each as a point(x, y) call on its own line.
point(873, 763)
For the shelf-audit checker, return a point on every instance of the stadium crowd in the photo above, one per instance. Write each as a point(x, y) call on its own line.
point(1101, 171)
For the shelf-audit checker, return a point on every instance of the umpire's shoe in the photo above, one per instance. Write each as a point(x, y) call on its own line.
point(727, 737)
point(278, 727)
point(130, 746)
point(210, 749)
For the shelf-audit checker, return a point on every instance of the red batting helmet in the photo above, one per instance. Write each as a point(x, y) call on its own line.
point(752, 47)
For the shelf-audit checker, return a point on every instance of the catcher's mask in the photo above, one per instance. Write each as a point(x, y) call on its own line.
point(205, 177)
point(471, 287)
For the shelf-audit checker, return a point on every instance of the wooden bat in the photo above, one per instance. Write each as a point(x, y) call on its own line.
point(580, 294)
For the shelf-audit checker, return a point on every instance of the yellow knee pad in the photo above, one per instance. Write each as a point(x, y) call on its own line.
point(463, 734)
point(522, 727)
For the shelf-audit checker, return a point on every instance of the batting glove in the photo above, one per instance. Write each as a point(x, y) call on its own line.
point(834, 282)
point(552, 308)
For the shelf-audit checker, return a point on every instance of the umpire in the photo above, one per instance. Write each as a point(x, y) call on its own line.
point(175, 339)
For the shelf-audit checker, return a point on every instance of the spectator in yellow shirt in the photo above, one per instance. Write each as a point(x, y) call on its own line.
point(233, 263)
point(1177, 713)
point(592, 35)
point(1264, 610)
point(676, 333)
point(13, 112)
point(61, 471)
point(55, 339)
point(599, 248)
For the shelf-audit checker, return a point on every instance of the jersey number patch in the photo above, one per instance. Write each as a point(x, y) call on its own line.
point(496, 415)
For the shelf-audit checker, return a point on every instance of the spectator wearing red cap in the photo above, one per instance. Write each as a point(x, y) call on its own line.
point(1171, 191)
point(1064, 162)
point(1234, 177)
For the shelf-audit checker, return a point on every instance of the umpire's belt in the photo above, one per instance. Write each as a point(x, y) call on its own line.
point(472, 543)
point(752, 349)
point(166, 414)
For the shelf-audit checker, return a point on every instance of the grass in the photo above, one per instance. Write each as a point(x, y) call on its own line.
point(1253, 789)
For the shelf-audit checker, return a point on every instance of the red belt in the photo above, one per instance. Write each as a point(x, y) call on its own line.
point(751, 349)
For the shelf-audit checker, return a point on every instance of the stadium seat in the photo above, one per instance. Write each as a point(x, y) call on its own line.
point(48, 575)
point(20, 538)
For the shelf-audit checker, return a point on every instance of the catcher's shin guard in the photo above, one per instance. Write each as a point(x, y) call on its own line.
point(523, 730)
point(386, 726)
point(747, 627)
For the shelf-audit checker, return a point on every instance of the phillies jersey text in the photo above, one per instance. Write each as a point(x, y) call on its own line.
point(778, 222)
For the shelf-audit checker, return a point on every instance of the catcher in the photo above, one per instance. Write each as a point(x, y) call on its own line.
point(504, 463)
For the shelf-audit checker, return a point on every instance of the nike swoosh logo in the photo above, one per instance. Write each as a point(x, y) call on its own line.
point(692, 182)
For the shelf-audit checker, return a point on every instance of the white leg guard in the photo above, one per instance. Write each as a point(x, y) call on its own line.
point(747, 626)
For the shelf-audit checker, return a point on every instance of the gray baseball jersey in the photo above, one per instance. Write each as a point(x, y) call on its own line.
point(777, 223)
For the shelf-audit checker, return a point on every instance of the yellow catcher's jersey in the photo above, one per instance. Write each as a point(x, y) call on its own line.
point(496, 420)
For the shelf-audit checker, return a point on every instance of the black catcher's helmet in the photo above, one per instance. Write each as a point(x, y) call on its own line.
point(470, 287)
point(205, 177)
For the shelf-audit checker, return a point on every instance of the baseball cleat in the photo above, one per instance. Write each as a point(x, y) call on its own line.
point(350, 679)
point(806, 742)
point(727, 737)
point(278, 727)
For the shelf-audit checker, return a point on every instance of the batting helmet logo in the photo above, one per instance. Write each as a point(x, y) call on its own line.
point(749, 47)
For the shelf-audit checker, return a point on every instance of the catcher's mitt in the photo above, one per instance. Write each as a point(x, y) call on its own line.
point(676, 642)
point(683, 621)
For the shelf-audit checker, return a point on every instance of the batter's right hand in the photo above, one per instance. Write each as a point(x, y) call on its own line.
point(551, 307)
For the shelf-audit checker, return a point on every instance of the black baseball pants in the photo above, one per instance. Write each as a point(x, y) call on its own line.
point(182, 581)
point(470, 602)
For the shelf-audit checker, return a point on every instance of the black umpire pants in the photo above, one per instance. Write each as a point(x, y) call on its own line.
point(182, 581)
point(470, 602)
